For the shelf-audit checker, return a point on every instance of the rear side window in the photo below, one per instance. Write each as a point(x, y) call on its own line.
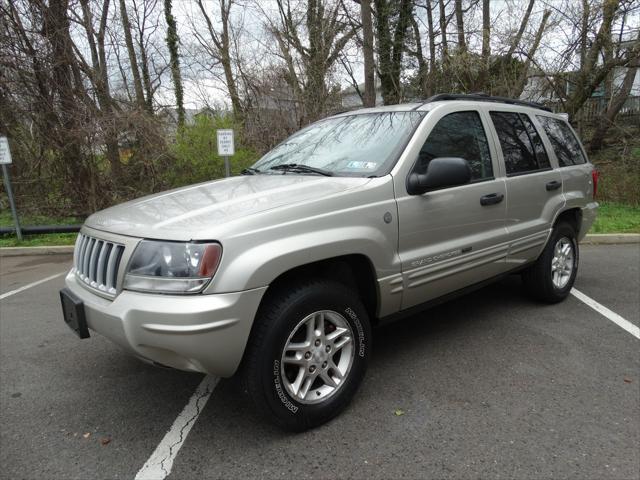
point(522, 148)
point(462, 135)
point(538, 146)
point(564, 142)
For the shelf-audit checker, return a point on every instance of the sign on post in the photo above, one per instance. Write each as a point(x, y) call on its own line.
point(226, 148)
point(5, 153)
point(5, 159)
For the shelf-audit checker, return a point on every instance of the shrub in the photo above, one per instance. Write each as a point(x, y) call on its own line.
point(196, 156)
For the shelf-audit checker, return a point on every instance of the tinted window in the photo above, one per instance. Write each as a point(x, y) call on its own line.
point(538, 146)
point(356, 145)
point(517, 150)
point(564, 142)
point(458, 134)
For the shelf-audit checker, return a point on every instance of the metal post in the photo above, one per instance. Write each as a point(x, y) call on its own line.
point(12, 203)
point(227, 167)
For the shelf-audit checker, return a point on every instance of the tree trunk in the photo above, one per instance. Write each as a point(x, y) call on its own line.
point(432, 38)
point(616, 104)
point(174, 61)
point(462, 44)
point(100, 80)
point(443, 32)
point(369, 97)
point(591, 75)
point(524, 75)
point(135, 72)
point(523, 26)
point(423, 70)
point(225, 59)
point(584, 31)
point(146, 77)
point(483, 83)
point(66, 76)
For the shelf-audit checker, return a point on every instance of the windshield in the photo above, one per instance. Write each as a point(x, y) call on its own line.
point(363, 145)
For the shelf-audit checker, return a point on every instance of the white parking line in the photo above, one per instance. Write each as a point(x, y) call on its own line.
point(28, 286)
point(613, 316)
point(161, 460)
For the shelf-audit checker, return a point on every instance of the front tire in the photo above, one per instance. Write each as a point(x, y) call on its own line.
point(551, 278)
point(307, 354)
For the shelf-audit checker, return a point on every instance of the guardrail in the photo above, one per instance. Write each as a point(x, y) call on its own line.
point(41, 229)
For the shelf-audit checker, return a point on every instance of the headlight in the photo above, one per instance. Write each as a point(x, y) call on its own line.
point(172, 267)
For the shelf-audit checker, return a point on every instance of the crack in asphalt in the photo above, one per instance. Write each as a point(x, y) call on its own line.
point(160, 463)
point(204, 394)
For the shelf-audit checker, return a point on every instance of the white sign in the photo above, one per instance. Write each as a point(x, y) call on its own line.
point(5, 153)
point(225, 143)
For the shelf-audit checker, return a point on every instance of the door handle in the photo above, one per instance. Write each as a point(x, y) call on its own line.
point(491, 199)
point(553, 185)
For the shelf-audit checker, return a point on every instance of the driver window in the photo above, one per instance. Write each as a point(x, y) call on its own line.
point(458, 134)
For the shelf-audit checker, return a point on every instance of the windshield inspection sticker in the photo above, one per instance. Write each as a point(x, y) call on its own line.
point(362, 165)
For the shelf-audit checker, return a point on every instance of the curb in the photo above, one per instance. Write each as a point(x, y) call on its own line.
point(590, 239)
point(611, 238)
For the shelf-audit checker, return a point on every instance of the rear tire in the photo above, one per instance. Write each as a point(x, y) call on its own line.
point(551, 278)
point(307, 354)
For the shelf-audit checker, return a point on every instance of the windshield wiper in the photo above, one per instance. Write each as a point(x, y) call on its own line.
point(249, 171)
point(296, 167)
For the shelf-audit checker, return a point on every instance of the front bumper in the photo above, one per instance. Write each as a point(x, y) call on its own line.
point(203, 333)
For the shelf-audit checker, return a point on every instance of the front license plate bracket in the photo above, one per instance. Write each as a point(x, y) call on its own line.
point(73, 313)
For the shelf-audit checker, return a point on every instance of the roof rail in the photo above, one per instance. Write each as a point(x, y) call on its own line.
point(483, 97)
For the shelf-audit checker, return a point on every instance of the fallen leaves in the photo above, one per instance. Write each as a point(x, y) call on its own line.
point(398, 412)
point(106, 440)
point(627, 380)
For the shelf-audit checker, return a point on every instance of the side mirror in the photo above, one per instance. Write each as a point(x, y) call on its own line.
point(441, 172)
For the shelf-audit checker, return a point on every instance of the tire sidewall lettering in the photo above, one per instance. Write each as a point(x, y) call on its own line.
point(359, 331)
point(280, 393)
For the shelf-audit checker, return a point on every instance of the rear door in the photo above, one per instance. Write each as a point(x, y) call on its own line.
point(450, 238)
point(534, 187)
point(577, 181)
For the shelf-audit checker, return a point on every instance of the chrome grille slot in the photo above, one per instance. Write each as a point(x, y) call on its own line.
point(96, 263)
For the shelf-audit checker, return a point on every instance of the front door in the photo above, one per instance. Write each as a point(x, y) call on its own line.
point(453, 237)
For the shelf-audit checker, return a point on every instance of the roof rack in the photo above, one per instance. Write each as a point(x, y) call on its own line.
point(483, 97)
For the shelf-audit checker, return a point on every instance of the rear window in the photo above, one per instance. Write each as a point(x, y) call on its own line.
point(565, 144)
point(522, 149)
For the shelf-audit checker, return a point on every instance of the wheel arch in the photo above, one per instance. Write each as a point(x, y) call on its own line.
point(573, 216)
point(355, 271)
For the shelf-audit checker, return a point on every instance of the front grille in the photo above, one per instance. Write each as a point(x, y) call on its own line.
point(96, 263)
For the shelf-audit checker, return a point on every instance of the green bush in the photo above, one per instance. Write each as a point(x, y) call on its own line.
point(196, 156)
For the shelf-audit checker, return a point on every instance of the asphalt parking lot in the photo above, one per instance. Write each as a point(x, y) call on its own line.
point(490, 385)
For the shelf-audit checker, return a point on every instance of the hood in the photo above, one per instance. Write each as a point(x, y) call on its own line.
point(182, 213)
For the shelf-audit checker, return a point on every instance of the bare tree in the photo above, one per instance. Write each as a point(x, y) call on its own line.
point(617, 102)
point(310, 42)
point(98, 75)
point(219, 47)
point(392, 23)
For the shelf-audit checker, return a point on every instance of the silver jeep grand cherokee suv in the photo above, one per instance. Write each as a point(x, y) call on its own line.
point(357, 219)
